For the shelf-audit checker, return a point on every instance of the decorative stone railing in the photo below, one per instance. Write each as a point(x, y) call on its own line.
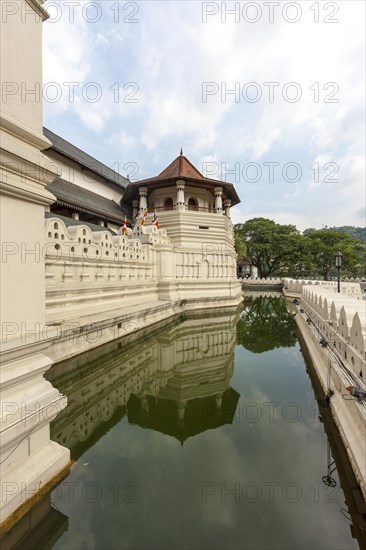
point(93, 270)
point(205, 266)
point(347, 288)
point(343, 319)
point(262, 281)
point(89, 272)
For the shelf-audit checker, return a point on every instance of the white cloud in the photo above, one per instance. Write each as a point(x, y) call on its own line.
point(170, 53)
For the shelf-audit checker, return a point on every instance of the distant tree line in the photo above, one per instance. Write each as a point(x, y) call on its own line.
point(283, 251)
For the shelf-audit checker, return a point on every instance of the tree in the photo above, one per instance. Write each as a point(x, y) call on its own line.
point(240, 247)
point(354, 232)
point(266, 324)
point(272, 247)
point(325, 243)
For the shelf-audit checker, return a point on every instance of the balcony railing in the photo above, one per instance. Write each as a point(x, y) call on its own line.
point(190, 208)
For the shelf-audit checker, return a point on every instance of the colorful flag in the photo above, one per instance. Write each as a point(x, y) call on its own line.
point(124, 228)
point(156, 221)
point(144, 217)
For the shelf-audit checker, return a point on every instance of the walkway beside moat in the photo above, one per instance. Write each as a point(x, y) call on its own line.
point(333, 329)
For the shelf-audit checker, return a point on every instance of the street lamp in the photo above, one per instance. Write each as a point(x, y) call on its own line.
point(338, 263)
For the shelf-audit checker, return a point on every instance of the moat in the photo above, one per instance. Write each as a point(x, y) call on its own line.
point(206, 432)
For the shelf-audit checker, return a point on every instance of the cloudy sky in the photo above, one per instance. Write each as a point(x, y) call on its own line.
point(267, 95)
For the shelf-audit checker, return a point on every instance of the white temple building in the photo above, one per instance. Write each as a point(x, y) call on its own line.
point(70, 281)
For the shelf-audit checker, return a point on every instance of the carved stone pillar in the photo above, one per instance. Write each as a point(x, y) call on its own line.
point(227, 205)
point(218, 200)
point(181, 410)
point(180, 195)
point(143, 199)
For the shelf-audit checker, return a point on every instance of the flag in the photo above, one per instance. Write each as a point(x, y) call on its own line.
point(156, 221)
point(124, 228)
point(144, 217)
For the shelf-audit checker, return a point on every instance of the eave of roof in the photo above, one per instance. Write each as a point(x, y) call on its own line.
point(205, 183)
point(75, 154)
point(72, 196)
point(181, 168)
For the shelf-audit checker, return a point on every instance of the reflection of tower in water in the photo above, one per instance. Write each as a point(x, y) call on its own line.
point(174, 380)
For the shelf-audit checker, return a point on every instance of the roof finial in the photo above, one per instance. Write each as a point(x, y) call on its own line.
point(181, 150)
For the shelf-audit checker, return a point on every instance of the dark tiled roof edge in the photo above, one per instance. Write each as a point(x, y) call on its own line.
point(72, 152)
point(72, 195)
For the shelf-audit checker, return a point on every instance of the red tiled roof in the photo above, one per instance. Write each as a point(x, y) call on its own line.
point(181, 167)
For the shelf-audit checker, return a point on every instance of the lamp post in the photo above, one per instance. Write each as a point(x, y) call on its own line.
point(338, 263)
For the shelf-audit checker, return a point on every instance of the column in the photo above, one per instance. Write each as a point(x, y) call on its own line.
point(218, 200)
point(30, 460)
point(218, 401)
point(180, 195)
point(227, 205)
point(181, 410)
point(143, 199)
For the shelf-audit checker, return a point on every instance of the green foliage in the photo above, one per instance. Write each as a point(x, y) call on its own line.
point(281, 250)
point(266, 324)
point(353, 232)
point(270, 246)
point(240, 247)
point(324, 244)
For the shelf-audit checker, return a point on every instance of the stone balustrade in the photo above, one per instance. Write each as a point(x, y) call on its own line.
point(347, 287)
point(342, 318)
point(262, 281)
point(89, 272)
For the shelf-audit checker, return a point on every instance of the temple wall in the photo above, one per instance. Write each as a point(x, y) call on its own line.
point(100, 287)
point(72, 172)
point(29, 459)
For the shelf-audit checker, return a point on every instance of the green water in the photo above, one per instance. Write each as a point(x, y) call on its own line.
point(203, 433)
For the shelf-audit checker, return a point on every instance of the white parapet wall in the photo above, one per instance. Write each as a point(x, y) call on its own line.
point(101, 286)
point(333, 327)
point(348, 288)
point(264, 281)
point(342, 318)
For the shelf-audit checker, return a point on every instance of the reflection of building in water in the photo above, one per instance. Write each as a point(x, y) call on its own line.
point(174, 380)
point(39, 529)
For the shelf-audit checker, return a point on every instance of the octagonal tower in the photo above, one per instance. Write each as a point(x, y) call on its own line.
point(194, 210)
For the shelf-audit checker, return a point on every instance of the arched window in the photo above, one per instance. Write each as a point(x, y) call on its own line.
point(192, 204)
point(168, 203)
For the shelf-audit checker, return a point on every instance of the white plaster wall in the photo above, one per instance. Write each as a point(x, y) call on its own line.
point(89, 272)
point(72, 172)
point(22, 266)
point(21, 63)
